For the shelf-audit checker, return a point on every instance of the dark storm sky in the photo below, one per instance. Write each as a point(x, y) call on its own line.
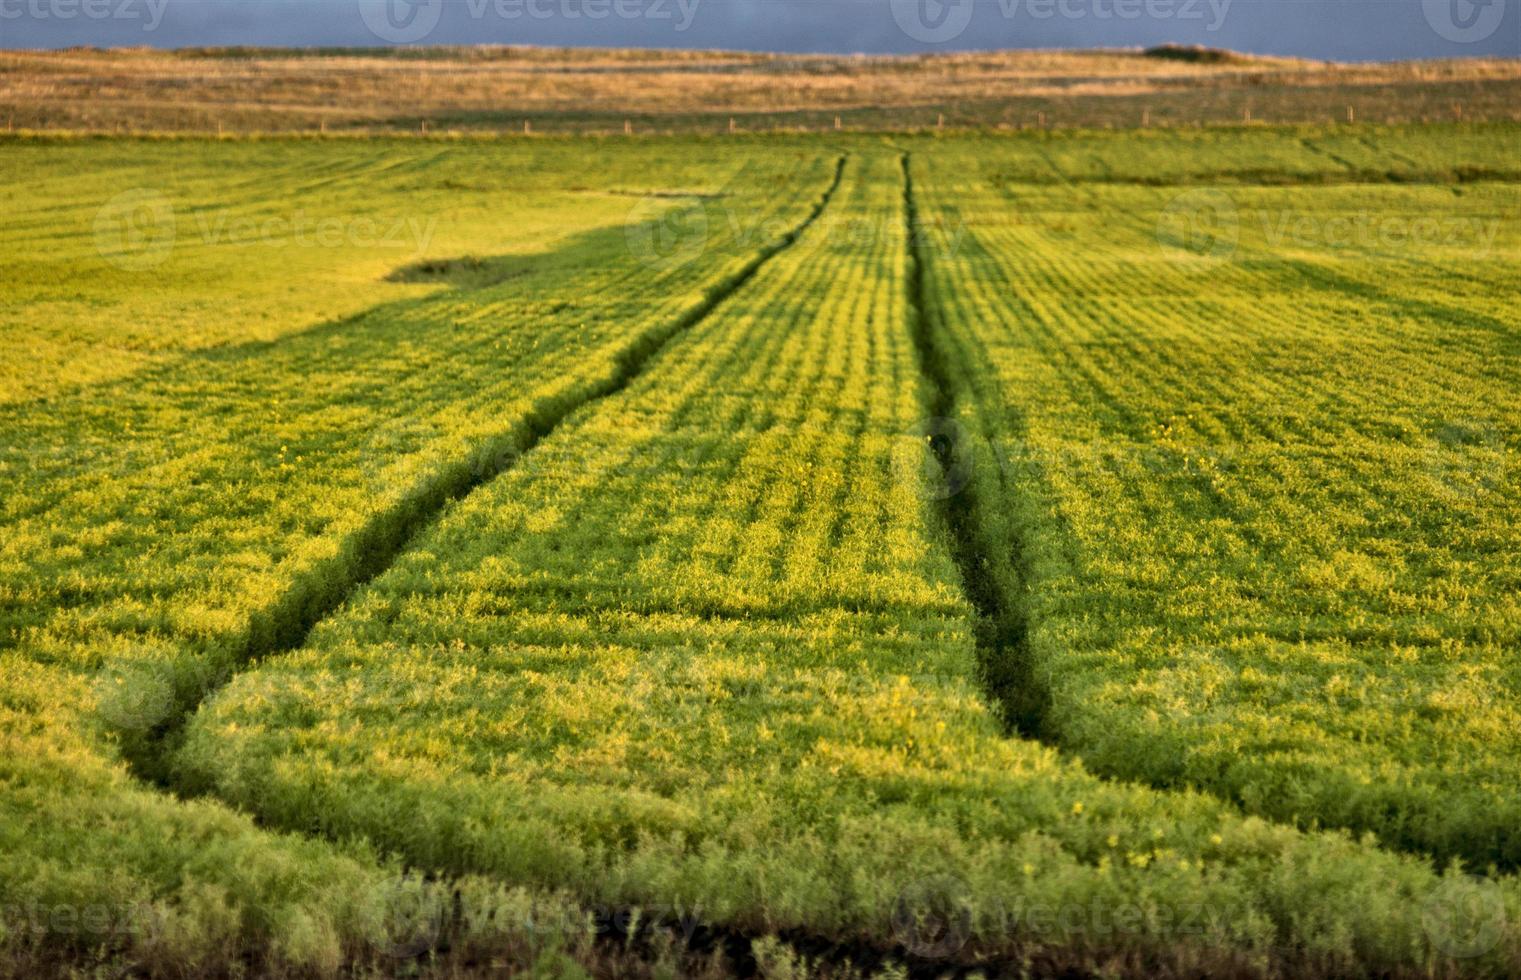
point(1340, 29)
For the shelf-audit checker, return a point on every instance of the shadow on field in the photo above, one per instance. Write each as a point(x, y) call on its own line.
point(536, 277)
point(190, 416)
point(465, 272)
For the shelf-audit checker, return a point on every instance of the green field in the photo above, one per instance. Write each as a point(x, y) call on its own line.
point(857, 555)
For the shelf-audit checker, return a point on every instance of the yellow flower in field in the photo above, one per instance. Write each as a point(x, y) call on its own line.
point(1077, 809)
point(1114, 840)
point(1216, 839)
point(1029, 869)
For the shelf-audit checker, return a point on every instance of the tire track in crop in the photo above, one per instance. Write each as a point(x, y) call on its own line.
point(1336, 158)
point(1001, 627)
point(1308, 274)
point(383, 539)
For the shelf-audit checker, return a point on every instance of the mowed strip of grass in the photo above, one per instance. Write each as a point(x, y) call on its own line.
point(706, 647)
point(1243, 465)
point(163, 528)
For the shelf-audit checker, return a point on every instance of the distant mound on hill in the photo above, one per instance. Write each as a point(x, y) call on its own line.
point(1196, 53)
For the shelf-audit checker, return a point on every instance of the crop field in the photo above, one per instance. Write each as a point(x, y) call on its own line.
point(1081, 553)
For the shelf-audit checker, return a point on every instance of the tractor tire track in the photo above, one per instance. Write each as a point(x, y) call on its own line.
point(285, 623)
point(1001, 627)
